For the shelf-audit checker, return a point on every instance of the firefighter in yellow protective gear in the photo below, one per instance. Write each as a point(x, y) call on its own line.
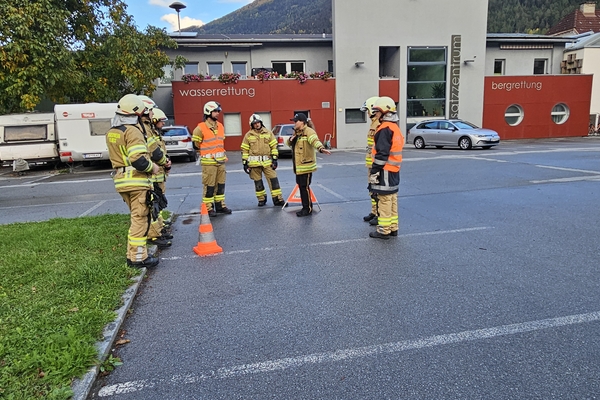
point(133, 166)
point(209, 137)
point(368, 108)
point(385, 170)
point(304, 143)
point(259, 155)
point(162, 229)
point(155, 144)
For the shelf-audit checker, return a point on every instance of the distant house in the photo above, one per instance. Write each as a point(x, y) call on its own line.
point(584, 58)
point(584, 19)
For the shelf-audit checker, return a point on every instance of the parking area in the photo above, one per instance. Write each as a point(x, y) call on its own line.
point(489, 291)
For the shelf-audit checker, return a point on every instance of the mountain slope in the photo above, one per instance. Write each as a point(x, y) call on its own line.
point(273, 16)
point(314, 16)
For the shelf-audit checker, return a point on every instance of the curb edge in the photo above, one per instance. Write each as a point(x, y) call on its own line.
point(82, 387)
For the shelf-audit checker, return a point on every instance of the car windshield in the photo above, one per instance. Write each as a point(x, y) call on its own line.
point(464, 125)
point(285, 130)
point(175, 132)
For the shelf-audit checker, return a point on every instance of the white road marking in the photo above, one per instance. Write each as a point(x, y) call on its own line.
point(331, 192)
point(92, 208)
point(585, 171)
point(563, 180)
point(283, 364)
point(57, 204)
point(335, 242)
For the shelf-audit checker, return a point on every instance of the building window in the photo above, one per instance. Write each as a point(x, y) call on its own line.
point(330, 66)
point(514, 115)
point(168, 75)
point(285, 67)
point(239, 68)
point(539, 66)
point(499, 67)
point(191, 68)
point(232, 124)
point(389, 62)
point(560, 113)
point(215, 68)
point(426, 82)
point(355, 116)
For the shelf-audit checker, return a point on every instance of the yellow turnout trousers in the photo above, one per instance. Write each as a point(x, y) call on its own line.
point(387, 206)
point(138, 228)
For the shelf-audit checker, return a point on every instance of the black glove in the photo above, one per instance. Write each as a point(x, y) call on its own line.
point(152, 204)
point(160, 197)
point(274, 164)
point(245, 165)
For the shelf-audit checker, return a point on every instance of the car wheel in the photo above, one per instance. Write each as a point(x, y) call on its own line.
point(419, 143)
point(192, 157)
point(464, 143)
point(486, 147)
point(439, 147)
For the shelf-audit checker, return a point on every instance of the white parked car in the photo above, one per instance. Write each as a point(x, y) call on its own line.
point(451, 133)
point(178, 141)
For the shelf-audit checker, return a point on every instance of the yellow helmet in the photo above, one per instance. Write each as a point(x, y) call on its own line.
point(385, 105)
point(130, 104)
point(368, 104)
point(255, 118)
point(158, 116)
point(211, 106)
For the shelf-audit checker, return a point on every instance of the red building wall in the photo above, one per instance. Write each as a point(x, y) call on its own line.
point(537, 95)
point(390, 88)
point(280, 97)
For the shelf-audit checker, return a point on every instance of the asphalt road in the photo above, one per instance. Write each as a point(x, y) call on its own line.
point(491, 290)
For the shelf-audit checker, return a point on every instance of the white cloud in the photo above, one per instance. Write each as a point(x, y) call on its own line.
point(186, 22)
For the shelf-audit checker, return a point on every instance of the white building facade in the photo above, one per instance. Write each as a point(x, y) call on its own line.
point(435, 49)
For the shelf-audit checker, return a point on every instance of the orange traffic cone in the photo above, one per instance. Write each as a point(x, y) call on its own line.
point(207, 245)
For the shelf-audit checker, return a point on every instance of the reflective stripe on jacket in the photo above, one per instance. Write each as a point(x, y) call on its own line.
point(259, 147)
point(128, 153)
point(304, 154)
point(370, 141)
point(211, 143)
point(387, 149)
point(157, 149)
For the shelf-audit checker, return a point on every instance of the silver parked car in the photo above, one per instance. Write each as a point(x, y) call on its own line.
point(282, 133)
point(451, 133)
point(178, 141)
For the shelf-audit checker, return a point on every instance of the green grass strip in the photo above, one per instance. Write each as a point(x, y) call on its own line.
point(60, 283)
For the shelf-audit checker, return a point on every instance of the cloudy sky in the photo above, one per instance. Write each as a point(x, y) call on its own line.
point(197, 12)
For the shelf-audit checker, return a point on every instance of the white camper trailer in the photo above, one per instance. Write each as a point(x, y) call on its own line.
point(30, 137)
point(81, 130)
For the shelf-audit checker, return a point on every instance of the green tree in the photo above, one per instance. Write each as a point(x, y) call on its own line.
point(75, 50)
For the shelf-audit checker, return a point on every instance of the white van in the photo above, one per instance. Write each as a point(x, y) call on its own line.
point(81, 130)
point(30, 137)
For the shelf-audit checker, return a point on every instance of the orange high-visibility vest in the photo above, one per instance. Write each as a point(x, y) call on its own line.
point(395, 158)
point(213, 145)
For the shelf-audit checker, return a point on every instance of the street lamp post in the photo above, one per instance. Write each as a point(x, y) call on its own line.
point(177, 6)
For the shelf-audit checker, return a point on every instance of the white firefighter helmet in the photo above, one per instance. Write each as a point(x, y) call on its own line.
point(130, 104)
point(148, 102)
point(211, 106)
point(368, 104)
point(255, 118)
point(385, 105)
point(158, 116)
